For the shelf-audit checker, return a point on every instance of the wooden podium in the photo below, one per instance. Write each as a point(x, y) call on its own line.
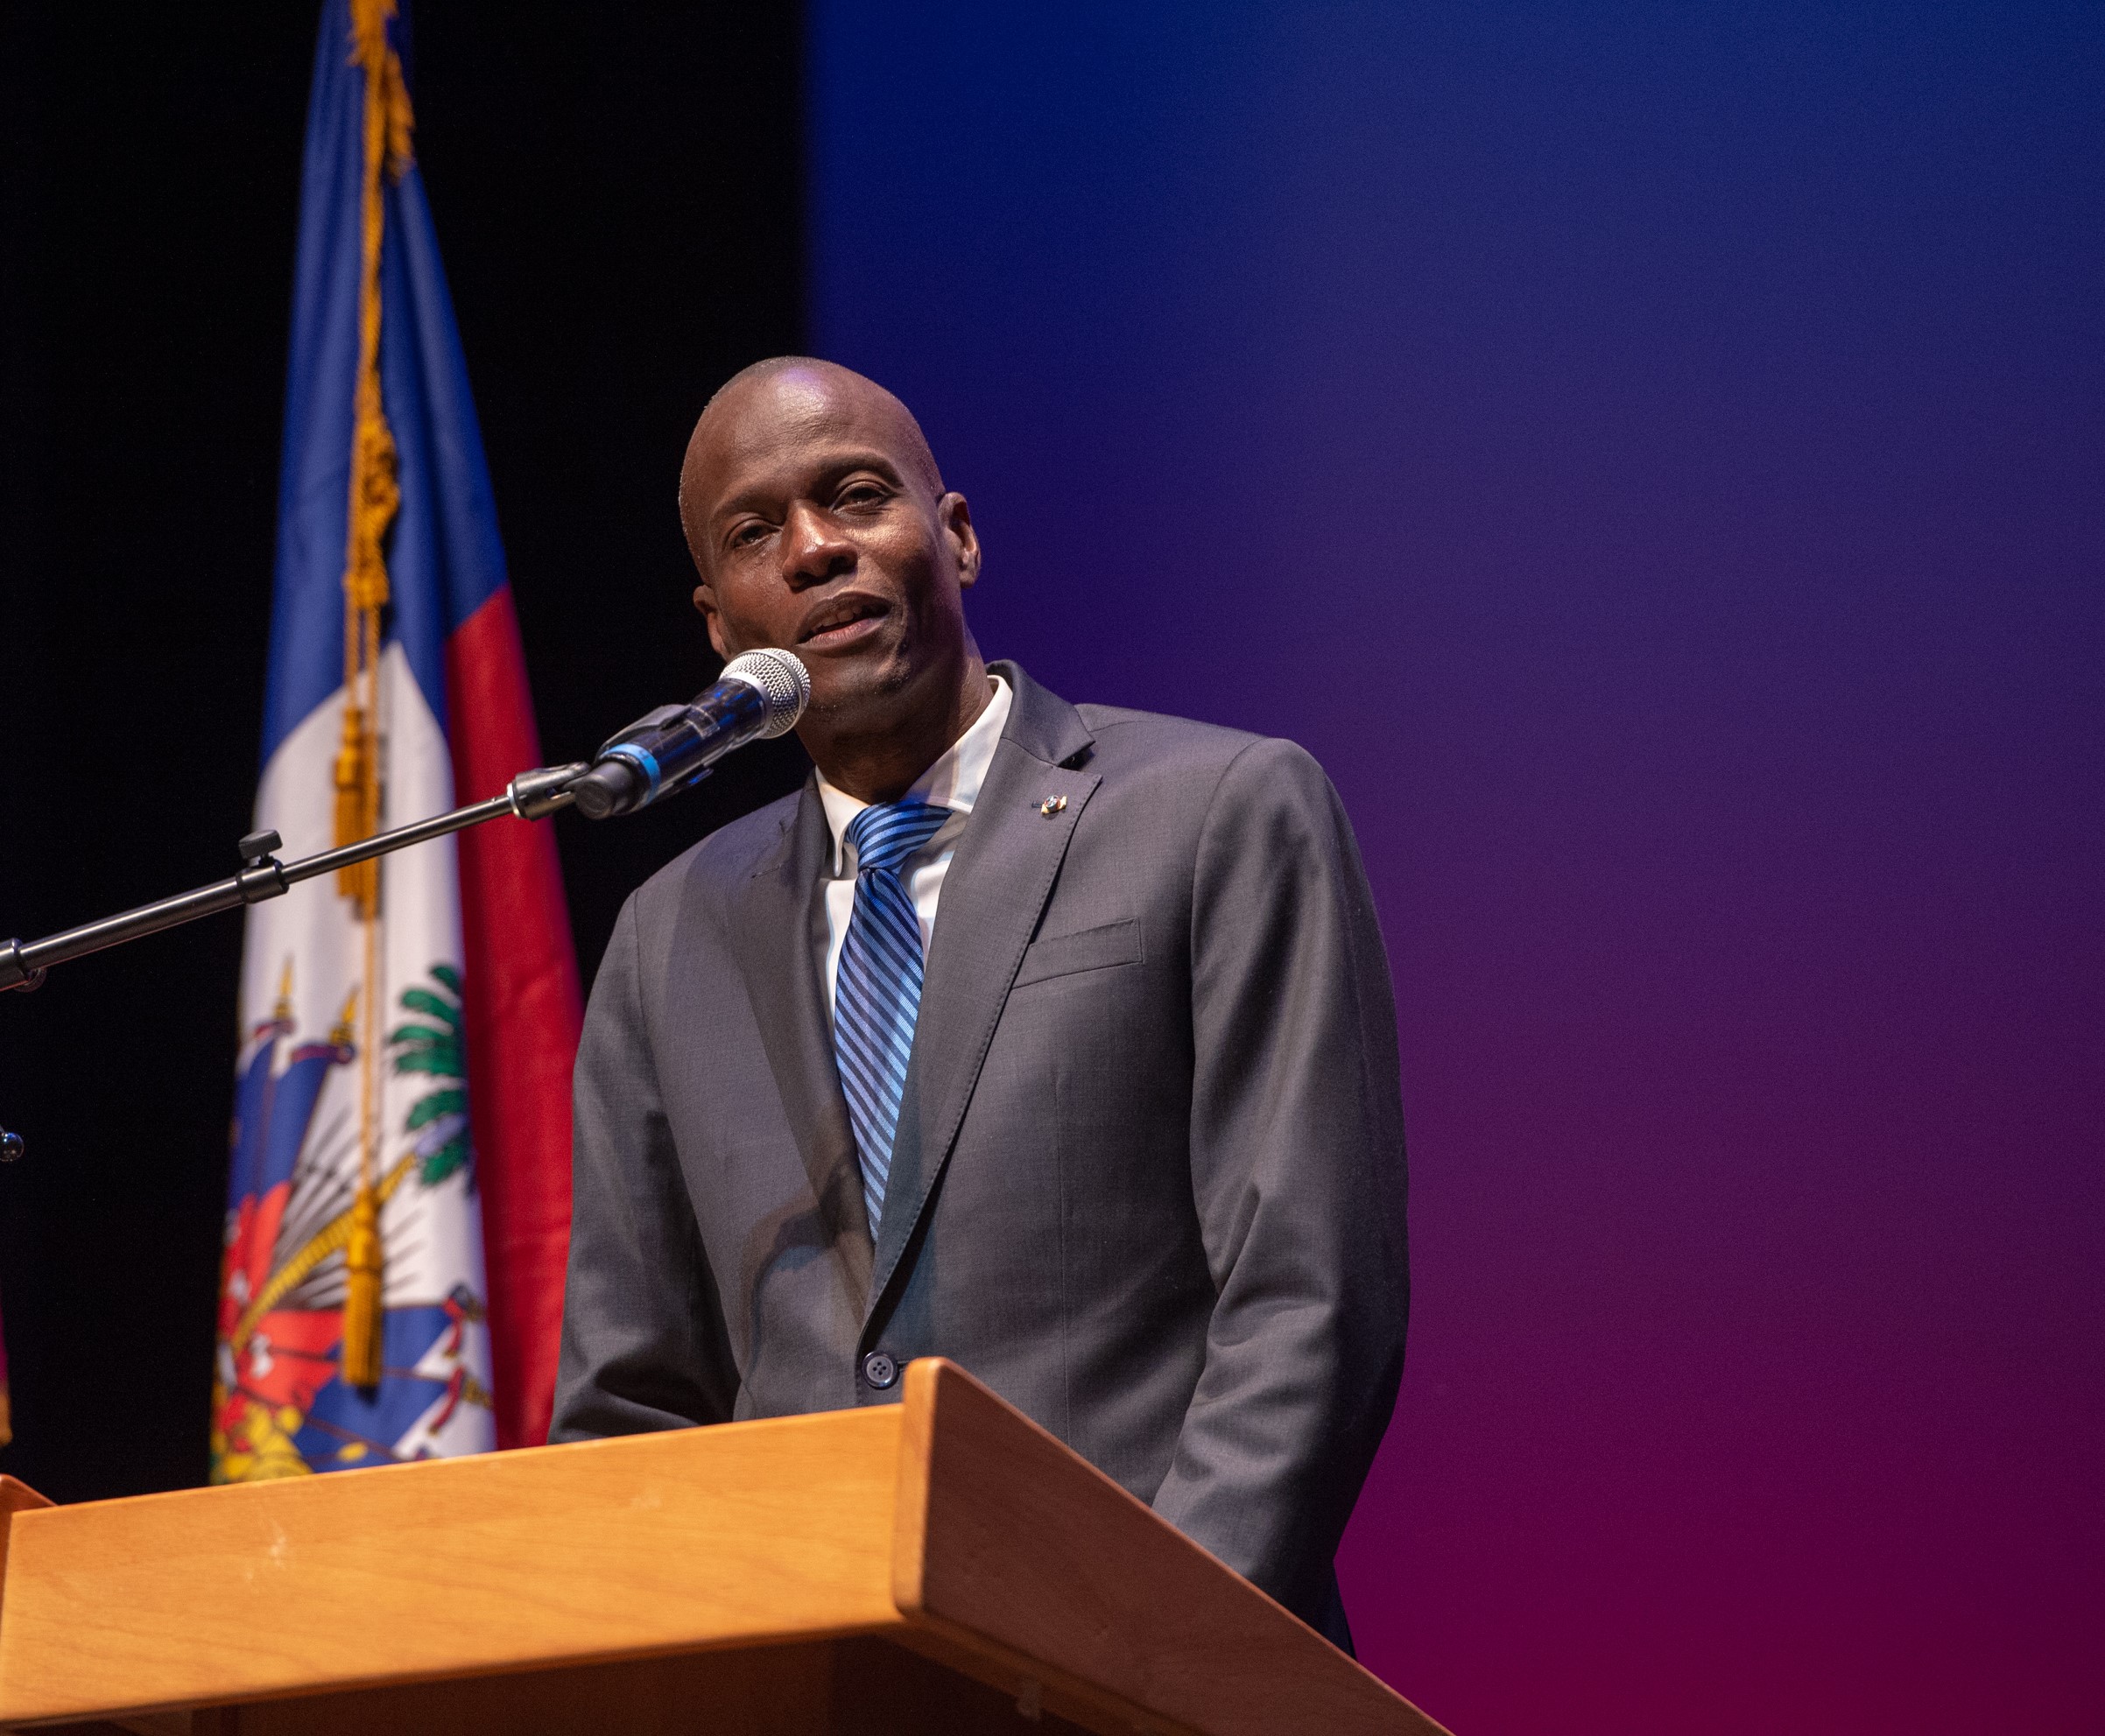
point(942, 1565)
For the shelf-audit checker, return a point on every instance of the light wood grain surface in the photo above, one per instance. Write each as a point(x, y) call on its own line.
point(1008, 1537)
point(943, 1564)
point(15, 1497)
point(705, 1537)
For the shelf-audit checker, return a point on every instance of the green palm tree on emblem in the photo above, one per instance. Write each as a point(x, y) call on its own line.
point(438, 1119)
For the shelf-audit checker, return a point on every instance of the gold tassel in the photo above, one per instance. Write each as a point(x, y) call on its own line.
point(362, 1293)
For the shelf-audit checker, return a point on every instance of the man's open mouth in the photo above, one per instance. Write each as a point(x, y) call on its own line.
point(842, 619)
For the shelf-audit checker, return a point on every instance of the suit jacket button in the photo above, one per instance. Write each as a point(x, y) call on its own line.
point(880, 1370)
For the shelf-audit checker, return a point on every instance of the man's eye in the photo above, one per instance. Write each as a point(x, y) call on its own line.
point(862, 493)
point(748, 534)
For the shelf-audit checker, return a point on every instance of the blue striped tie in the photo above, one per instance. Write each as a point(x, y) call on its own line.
point(877, 986)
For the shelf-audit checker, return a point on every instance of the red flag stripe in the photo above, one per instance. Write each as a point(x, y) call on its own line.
point(522, 1012)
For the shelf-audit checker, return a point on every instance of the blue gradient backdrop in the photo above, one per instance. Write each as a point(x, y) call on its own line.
point(1651, 455)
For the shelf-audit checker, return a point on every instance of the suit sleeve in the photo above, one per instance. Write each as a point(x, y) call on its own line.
point(1297, 1158)
point(644, 1345)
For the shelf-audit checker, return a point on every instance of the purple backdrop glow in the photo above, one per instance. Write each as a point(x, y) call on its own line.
point(1651, 455)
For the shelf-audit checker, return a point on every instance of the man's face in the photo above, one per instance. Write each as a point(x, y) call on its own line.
point(816, 526)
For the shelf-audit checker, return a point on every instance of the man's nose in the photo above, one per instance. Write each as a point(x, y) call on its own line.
point(813, 549)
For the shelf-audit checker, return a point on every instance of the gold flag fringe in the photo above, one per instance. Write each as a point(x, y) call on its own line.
point(376, 497)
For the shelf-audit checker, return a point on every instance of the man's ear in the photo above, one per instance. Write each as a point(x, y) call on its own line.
point(955, 516)
point(707, 604)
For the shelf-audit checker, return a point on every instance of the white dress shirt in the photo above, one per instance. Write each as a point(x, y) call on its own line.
point(953, 782)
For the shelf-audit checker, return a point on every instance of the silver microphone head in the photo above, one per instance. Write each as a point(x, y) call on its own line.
point(782, 681)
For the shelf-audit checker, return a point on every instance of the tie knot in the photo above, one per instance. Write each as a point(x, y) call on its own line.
point(885, 835)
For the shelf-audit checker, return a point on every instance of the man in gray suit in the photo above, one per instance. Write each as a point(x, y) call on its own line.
point(1054, 1039)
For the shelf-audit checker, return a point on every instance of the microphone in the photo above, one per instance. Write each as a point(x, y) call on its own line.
point(760, 695)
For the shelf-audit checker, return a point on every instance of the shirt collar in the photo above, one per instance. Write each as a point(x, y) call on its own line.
point(953, 782)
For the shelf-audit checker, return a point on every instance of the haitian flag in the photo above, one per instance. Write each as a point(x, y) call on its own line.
point(398, 1201)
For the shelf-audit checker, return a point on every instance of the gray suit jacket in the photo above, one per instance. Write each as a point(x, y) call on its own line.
point(1148, 1182)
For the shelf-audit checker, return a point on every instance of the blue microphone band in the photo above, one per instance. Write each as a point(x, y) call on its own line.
point(643, 760)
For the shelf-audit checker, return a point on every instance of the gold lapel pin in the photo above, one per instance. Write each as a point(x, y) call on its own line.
point(1052, 806)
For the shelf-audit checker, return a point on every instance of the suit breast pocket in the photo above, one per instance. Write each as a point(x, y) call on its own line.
point(1090, 949)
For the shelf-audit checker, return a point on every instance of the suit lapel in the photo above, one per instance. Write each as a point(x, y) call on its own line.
point(780, 903)
point(992, 898)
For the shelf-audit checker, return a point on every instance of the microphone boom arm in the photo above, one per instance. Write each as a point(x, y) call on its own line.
point(532, 795)
point(760, 695)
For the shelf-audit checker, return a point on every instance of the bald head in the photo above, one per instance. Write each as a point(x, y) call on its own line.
point(819, 522)
point(788, 399)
